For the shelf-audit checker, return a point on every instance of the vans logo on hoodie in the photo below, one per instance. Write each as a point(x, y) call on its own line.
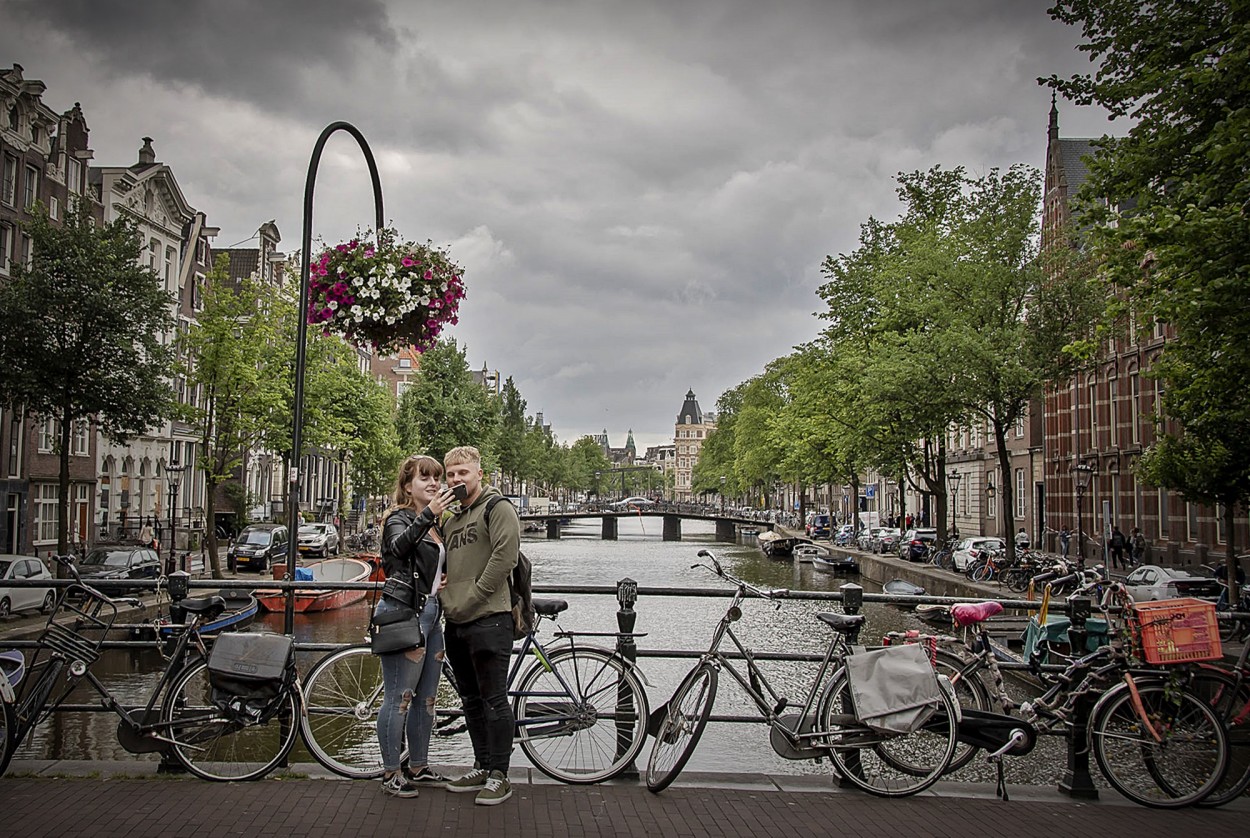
point(461, 537)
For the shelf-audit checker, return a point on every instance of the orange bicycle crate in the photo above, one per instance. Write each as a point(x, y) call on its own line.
point(1177, 630)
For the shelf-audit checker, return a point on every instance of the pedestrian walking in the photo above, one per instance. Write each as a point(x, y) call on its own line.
point(482, 550)
point(1065, 541)
point(1117, 544)
point(413, 557)
point(1137, 546)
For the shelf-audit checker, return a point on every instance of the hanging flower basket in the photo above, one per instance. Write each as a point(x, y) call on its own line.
point(387, 295)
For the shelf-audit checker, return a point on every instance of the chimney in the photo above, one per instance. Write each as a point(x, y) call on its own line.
point(147, 154)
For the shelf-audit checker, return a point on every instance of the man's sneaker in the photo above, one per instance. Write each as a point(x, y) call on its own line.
point(426, 776)
point(475, 780)
point(398, 786)
point(497, 790)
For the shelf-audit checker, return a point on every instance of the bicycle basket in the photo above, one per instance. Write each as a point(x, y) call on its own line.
point(250, 674)
point(1176, 631)
point(894, 690)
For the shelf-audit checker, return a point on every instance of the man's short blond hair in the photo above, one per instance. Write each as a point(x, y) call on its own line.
point(462, 454)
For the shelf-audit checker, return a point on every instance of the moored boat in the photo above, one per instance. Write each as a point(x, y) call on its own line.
point(310, 600)
point(901, 587)
point(241, 610)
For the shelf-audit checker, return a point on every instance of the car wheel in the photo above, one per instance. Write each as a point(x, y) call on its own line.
point(48, 602)
point(6, 607)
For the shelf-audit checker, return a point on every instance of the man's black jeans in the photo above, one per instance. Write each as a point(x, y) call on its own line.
point(479, 652)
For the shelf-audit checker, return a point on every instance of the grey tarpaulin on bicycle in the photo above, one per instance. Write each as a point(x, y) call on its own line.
point(895, 689)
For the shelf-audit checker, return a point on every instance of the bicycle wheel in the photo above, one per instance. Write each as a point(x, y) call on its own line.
point(970, 693)
point(214, 746)
point(8, 735)
point(342, 697)
point(582, 717)
point(1017, 580)
point(684, 721)
point(1230, 699)
point(882, 764)
point(1183, 767)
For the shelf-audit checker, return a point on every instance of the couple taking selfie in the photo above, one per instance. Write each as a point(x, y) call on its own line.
point(448, 552)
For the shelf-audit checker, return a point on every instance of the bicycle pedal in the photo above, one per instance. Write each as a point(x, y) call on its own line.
point(782, 703)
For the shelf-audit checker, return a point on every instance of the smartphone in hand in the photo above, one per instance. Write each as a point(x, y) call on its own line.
point(460, 492)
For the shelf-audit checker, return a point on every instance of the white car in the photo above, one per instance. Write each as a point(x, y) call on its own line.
point(319, 539)
point(24, 599)
point(968, 550)
point(1149, 583)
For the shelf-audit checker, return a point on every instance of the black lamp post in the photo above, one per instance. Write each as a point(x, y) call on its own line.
point(953, 479)
point(598, 493)
point(172, 470)
point(1082, 474)
point(723, 480)
point(301, 341)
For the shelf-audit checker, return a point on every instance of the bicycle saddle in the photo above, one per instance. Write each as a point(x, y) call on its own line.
point(202, 605)
point(841, 622)
point(550, 607)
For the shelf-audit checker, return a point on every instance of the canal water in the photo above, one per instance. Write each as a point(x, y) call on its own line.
point(580, 557)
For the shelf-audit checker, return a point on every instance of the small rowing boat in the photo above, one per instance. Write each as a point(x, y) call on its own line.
point(309, 600)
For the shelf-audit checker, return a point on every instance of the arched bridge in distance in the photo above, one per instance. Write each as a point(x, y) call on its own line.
point(726, 525)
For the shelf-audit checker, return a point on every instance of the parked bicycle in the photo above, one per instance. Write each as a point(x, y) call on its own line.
point(882, 763)
point(215, 734)
point(580, 710)
point(1155, 737)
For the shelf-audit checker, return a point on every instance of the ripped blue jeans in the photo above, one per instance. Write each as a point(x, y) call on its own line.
point(409, 690)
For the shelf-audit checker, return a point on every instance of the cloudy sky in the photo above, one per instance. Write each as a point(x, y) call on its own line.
point(641, 192)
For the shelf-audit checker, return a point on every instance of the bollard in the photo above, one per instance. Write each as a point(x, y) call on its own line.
point(626, 712)
point(1076, 780)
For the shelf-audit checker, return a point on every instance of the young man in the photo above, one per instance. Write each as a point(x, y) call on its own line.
point(477, 603)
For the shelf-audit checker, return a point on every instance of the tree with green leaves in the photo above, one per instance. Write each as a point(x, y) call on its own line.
point(232, 355)
point(82, 337)
point(513, 429)
point(444, 407)
point(1165, 213)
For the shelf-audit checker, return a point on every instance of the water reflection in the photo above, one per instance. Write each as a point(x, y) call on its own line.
point(579, 558)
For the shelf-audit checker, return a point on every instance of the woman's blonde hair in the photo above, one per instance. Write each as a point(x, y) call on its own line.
point(421, 464)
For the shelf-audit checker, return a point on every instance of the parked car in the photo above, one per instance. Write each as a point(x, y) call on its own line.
point(121, 561)
point(886, 540)
point(1151, 582)
point(821, 525)
point(865, 538)
point(968, 550)
point(914, 545)
point(807, 524)
point(258, 546)
point(319, 539)
point(24, 599)
point(844, 535)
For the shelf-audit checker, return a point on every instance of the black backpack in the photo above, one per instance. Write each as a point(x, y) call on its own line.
point(520, 584)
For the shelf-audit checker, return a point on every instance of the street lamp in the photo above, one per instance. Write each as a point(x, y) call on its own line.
point(722, 494)
point(172, 469)
point(1082, 474)
point(953, 479)
point(598, 494)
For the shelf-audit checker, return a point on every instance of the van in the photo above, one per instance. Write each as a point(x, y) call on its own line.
point(258, 546)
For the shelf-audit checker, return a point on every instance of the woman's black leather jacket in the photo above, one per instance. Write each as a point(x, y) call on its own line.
point(406, 552)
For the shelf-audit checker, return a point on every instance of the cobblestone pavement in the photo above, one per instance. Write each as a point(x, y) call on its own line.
point(106, 802)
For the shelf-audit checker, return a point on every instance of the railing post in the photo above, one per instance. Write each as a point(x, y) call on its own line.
point(626, 712)
point(1076, 780)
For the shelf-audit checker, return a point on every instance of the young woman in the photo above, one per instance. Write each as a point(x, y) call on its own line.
point(413, 557)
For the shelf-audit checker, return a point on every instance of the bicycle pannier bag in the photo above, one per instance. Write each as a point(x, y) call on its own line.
point(894, 689)
point(251, 673)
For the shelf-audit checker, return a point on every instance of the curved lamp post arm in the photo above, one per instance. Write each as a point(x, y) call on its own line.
point(301, 340)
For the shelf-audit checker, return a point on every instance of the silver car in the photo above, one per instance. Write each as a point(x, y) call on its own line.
point(24, 599)
point(1151, 582)
point(319, 539)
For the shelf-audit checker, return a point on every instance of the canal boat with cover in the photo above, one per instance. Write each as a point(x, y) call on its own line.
point(901, 587)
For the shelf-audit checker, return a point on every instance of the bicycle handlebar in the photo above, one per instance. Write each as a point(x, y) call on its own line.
point(716, 568)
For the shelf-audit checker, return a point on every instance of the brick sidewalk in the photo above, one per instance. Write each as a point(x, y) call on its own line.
point(136, 808)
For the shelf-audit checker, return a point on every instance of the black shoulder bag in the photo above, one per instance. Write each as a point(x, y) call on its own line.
point(398, 630)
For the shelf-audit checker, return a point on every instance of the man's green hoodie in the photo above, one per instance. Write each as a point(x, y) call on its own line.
point(480, 558)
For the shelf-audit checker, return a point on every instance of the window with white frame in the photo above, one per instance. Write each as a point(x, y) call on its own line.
point(81, 441)
point(8, 187)
point(23, 250)
point(1113, 411)
point(169, 266)
point(154, 247)
point(54, 208)
point(47, 436)
point(1021, 498)
point(47, 509)
point(73, 176)
point(991, 503)
point(30, 190)
point(1135, 406)
point(1093, 414)
point(1020, 426)
point(6, 246)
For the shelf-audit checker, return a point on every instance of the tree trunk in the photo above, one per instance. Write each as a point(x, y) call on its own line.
point(62, 526)
point(1008, 491)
